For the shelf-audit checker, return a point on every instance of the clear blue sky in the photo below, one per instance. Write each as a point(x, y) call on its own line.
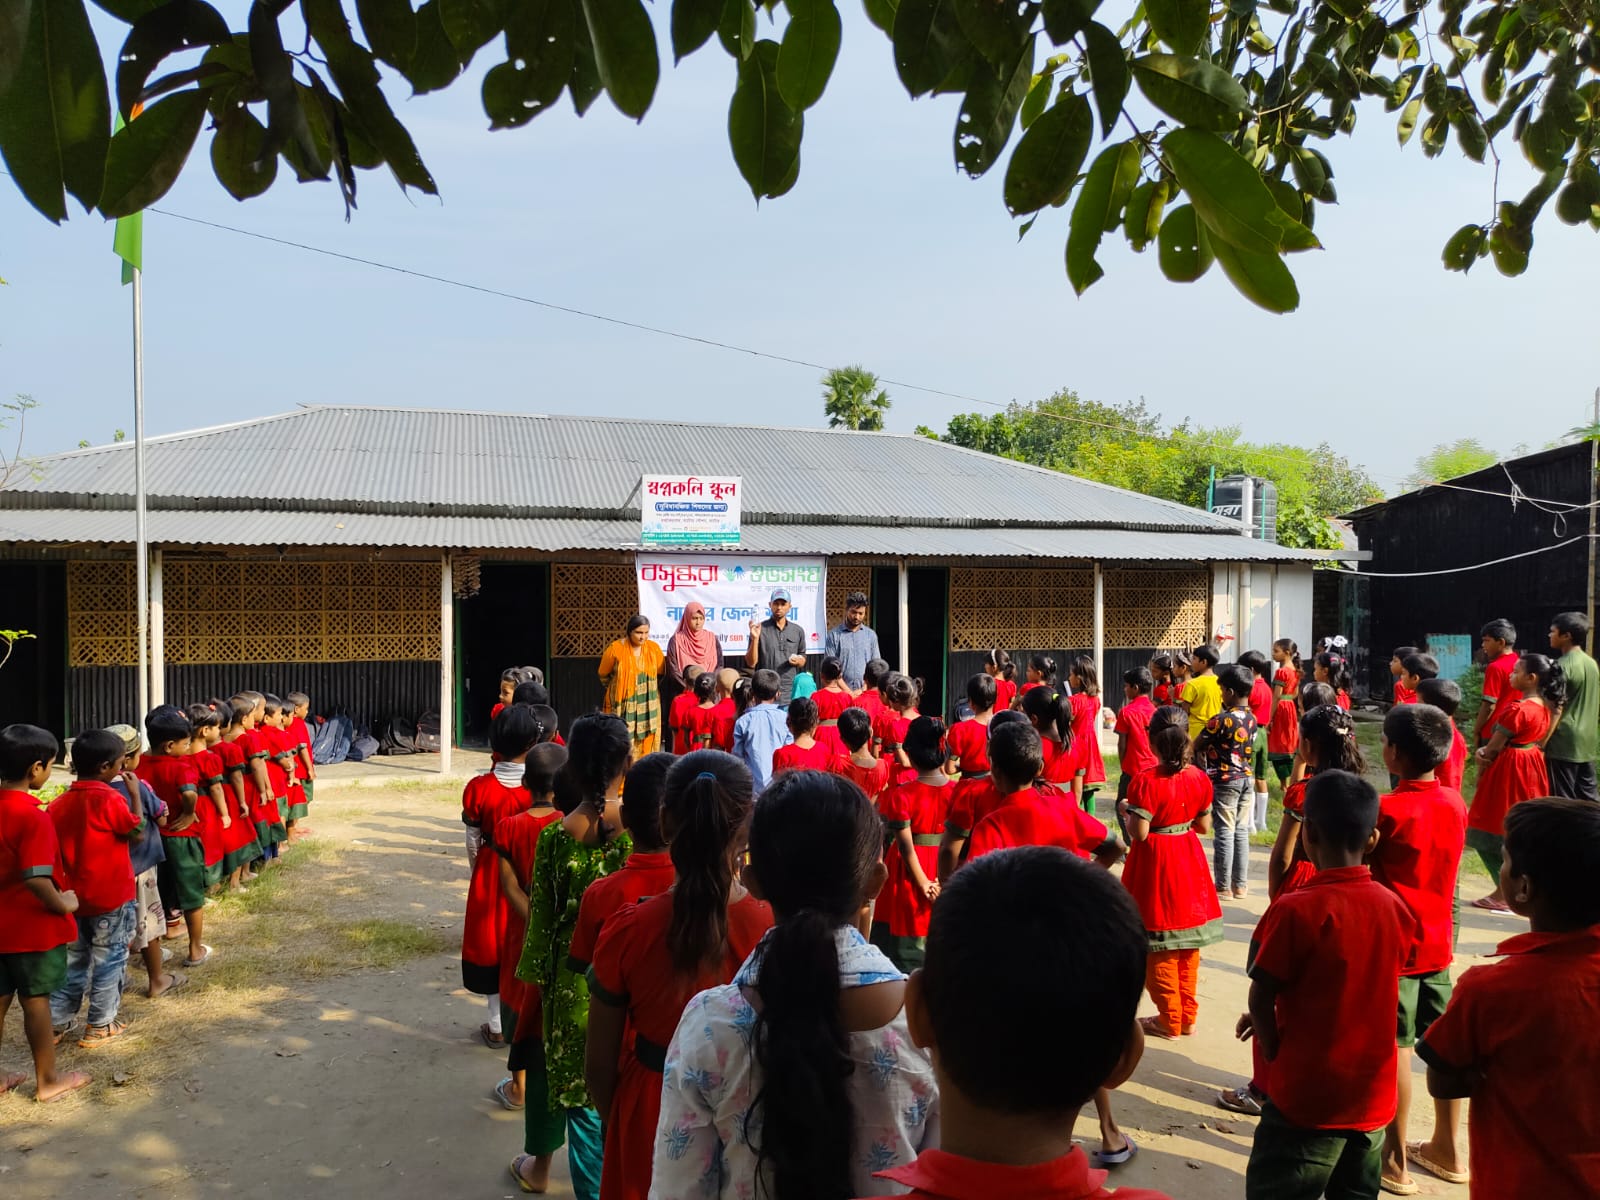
point(882, 254)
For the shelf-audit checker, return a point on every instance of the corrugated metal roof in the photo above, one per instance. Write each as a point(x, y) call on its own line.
point(188, 528)
point(411, 461)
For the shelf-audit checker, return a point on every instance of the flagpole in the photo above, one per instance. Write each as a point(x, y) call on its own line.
point(141, 531)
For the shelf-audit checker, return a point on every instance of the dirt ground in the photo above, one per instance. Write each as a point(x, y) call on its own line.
point(315, 1073)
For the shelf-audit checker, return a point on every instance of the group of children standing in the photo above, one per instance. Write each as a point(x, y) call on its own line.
point(127, 856)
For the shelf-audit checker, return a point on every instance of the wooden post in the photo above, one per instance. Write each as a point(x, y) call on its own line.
point(447, 663)
point(158, 635)
point(1100, 629)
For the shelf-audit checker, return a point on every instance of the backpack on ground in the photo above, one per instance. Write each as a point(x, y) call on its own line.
point(429, 735)
point(396, 736)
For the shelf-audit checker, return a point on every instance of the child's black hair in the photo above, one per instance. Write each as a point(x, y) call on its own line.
point(705, 687)
point(1257, 663)
point(1551, 678)
point(597, 751)
point(1062, 1035)
point(1206, 654)
point(1574, 624)
point(981, 692)
point(830, 669)
point(201, 716)
point(1016, 752)
point(873, 673)
point(543, 764)
point(1337, 668)
point(641, 800)
point(296, 699)
point(1342, 807)
point(1293, 651)
point(1405, 652)
point(1088, 675)
point(273, 705)
point(924, 744)
point(1140, 680)
point(1556, 844)
point(705, 801)
point(855, 728)
point(239, 710)
point(21, 746)
point(549, 722)
point(899, 691)
point(1045, 666)
point(1331, 733)
point(1049, 712)
point(1421, 736)
point(1315, 695)
point(1001, 662)
point(743, 693)
point(1443, 694)
point(1169, 736)
point(1007, 716)
point(764, 686)
point(530, 693)
point(1423, 666)
point(514, 732)
point(166, 724)
point(803, 715)
point(815, 843)
point(1501, 629)
point(94, 751)
point(1237, 680)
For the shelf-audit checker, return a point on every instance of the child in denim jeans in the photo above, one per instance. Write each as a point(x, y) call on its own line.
point(147, 854)
point(1224, 748)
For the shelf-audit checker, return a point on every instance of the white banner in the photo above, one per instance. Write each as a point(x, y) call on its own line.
point(735, 589)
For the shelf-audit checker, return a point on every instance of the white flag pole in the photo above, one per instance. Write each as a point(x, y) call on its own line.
point(141, 531)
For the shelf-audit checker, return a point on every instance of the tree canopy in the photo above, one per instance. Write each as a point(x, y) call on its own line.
point(1213, 159)
point(1450, 459)
point(852, 399)
point(1127, 446)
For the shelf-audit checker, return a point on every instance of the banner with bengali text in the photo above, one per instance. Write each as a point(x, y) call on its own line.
point(735, 589)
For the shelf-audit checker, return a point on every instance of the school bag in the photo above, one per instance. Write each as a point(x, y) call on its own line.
point(363, 746)
point(428, 733)
point(397, 735)
point(331, 739)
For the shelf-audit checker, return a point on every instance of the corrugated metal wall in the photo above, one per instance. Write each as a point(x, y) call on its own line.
point(574, 688)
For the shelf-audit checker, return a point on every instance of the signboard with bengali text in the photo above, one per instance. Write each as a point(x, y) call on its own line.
point(690, 510)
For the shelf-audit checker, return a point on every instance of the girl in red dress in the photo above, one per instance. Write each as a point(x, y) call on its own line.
point(212, 812)
point(654, 956)
point(702, 719)
point(236, 788)
point(727, 709)
point(683, 704)
point(1167, 810)
point(1163, 692)
point(968, 742)
point(914, 814)
point(805, 753)
point(858, 765)
point(831, 699)
point(869, 698)
point(487, 800)
point(1327, 742)
point(516, 841)
point(1283, 732)
point(1511, 767)
point(1041, 674)
point(973, 799)
point(899, 695)
point(1330, 668)
point(1003, 671)
point(1051, 715)
point(1182, 665)
point(1086, 706)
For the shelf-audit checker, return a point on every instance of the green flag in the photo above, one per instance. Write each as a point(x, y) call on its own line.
point(128, 242)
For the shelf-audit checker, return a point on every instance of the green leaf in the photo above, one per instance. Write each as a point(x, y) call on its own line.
point(1435, 132)
point(764, 131)
point(584, 87)
point(996, 28)
point(928, 43)
point(1474, 142)
point(391, 30)
point(625, 53)
point(1065, 19)
point(693, 23)
point(1142, 224)
point(1465, 247)
point(146, 155)
point(470, 24)
point(1196, 92)
point(1288, 198)
point(881, 13)
point(1408, 119)
point(1580, 198)
point(1313, 173)
point(540, 45)
point(1545, 143)
point(1509, 245)
point(1263, 279)
point(1402, 89)
point(1039, 93)
point(810, 48)
point(1229, 195)
point(15, 17)
point(1108, 73)
point(129, 11)
point(55, 121)
point(238, 155)
point(1181, 24)
point(1105, 194)
point(177, 25)
point(737, 28)
point(435, 62)
point(1182, 248)
point(989, 111)
point(1044, 166)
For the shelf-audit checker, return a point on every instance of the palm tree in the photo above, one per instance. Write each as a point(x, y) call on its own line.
point(852, 399)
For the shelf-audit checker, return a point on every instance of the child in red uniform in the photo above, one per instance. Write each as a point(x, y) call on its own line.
point(869, 774)
point(1050, 714)
point(806, 752)
point(272, 740)
point(1283, 735)
point(971, 801)
point(999, 667)
point(968, 741)
point(914, 814)
point(516, 839)
point(1041, 673)
point(1011, 1088)
point(219, 833)
point(831, 699)
point(510, 680)
point(36, 909)
point(94, 824)
point(1422, 831)
point(305, 767)
point(286, 756)
point(1322, 991)
point(1086, 706)
point(1511, 766)
point(678, 715)
point(1414, 671)
point(1520, 1036)
point(1134, 755)
point(1164, 692)
point(172, 776)
point(240, 846)
point(726, 712)
point(1498, 641)
point(489, 799)
point(652, 957)
point(869, 698)
point(1260, 705)
point(250, 711)
point(1027, 816)
point(1167, 810)
point(1397, 669)
point(701, 725)
point(899, 695)
point(1445, 695)
point(1330, 668)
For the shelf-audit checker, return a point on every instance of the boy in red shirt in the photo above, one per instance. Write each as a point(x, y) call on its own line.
point(94, 824)
point(1322, 987)
point(172, 776)
point(1498, 641)
point(967, 743)
point(1445, 695)
point(1422, 827)
point(1027, 816)
point(1011, 1089)
point(36, 924)
point(1520, 1036)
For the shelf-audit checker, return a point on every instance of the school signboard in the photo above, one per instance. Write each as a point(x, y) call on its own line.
point(690, 510)
point(735, 589)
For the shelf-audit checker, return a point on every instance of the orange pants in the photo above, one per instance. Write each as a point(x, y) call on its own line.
point(1172, 977)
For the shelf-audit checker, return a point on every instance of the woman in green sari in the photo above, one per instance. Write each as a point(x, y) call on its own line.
point(631, 668)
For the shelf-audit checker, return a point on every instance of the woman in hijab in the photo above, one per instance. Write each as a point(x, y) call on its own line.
point(693, 643)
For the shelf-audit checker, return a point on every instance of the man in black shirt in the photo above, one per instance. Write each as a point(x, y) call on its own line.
point(778, 644)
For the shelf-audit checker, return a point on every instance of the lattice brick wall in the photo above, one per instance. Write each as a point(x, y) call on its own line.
point(1155, 607)
point(259, 612)
point(1021, 607)
point(842, 580)
point(591, 602)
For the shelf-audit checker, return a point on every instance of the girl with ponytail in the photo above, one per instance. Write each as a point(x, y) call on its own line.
point(654, 955)
point(1051, 714)
point(1283, 732)
point(914, 814)
point(799, 1079)
point(1327, 743)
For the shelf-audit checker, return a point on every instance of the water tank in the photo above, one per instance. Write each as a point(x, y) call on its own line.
point(1250, 500)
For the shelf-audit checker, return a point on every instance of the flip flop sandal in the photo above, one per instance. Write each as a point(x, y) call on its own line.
point(58, 1036)
point(99, 1035)
point(1239, 1100)
point(500, 1093)
point(1395, 1188)
point(202, 960)
point(490, 1038)
point(1417, 1153)
point(1489, 905)
point(516, 1173)
point(1106, 1159)
point(10, 1083)
point(178, 981)
point(1154, 1027)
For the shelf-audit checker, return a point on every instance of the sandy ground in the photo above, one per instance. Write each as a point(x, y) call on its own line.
point(372, 1082)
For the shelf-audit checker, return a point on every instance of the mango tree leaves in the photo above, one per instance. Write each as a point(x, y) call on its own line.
point(624, 52)
point(1147, 203)
point(178, 25)
point(1065, 19)
point(1044, 166)
point(238, 157)
point(1408, 119)
point(989, 111)
point(1229, 196)
point(996, 28)
point(435, 63)
point(55, 118)
point(1105, 194)
point(1263, 279)
point(584, 87)
point(693, 23)
point(146, 155)
point(1108, 73)
point(736, 28)
point(809, 49)
point(928, 43)
point(391, 30)
point(470, 24)
point(1510, 242)
point(1183, 249)
point(1465, 247)
point(763, 130)
point(1181, 24)
point(1196, 92)
point(540, 45)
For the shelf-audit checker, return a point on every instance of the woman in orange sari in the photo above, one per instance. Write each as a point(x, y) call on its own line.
point(630, 669)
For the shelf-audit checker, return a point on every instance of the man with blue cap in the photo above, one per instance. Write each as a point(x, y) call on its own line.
point(778, 644)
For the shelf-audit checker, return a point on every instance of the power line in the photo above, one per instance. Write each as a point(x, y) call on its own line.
point(1493, 562)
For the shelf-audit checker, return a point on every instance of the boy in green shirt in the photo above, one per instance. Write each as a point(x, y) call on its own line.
point(1575, 743)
